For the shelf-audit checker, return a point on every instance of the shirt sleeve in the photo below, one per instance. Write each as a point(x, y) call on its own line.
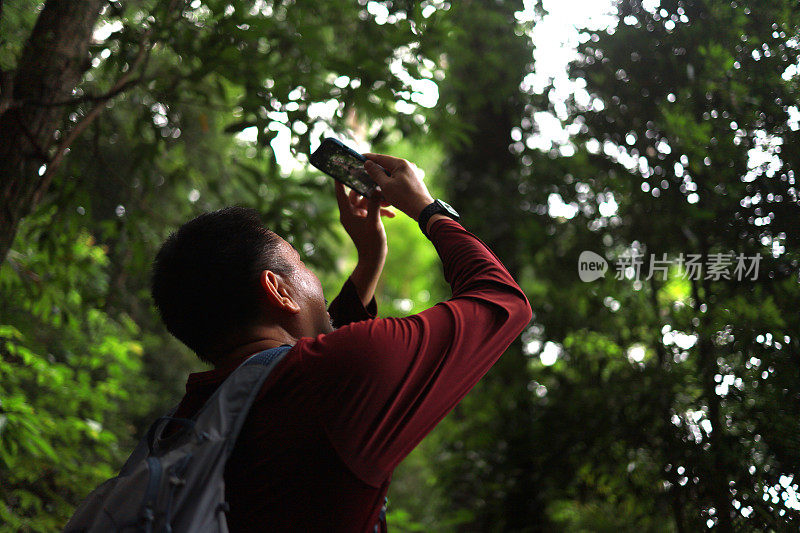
point(347, 306)
point(383, 384)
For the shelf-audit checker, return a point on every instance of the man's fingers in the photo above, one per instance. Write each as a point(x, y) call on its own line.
point(353, 203)
point(378, 193)
point(346, 207)
point(341, 196)
point(358, 203)
point(375, 172)
point(383, 166)
point(386, 161)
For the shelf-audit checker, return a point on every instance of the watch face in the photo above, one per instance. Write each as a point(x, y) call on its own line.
point(449, 208)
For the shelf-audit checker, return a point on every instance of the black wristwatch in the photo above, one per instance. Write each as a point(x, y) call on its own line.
point(439, 207)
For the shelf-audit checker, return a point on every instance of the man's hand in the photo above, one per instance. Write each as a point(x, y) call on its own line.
point(361, 219)
point(402, 187)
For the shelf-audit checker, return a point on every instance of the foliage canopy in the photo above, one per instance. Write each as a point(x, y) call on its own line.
point(662, 403)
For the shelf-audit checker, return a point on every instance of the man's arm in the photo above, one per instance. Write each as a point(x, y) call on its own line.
point(366, 274)
point(347, 307)
point(385, 383)
point(361, 219)
point(370, 264)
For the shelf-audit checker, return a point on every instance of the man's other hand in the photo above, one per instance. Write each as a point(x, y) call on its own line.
point(361, 219)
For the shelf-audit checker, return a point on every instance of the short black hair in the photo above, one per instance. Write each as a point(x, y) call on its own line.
point(206, 275)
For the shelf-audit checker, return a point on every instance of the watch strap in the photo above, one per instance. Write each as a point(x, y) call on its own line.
point(435, 207)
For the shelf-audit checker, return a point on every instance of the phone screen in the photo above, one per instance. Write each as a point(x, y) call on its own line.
point(345, 165)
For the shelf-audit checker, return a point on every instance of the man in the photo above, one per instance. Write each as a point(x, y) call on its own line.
point(345, 405)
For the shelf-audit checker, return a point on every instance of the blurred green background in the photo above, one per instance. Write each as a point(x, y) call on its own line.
point(634, 402)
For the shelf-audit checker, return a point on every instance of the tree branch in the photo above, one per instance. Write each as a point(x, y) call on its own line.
point(86, 98)
point(119, 86)
point(123, 82)
point(6, 89)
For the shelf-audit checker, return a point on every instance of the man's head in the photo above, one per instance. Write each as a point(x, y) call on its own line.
point(223, 278)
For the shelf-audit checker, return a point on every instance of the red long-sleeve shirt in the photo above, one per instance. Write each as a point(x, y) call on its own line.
point(341, 410)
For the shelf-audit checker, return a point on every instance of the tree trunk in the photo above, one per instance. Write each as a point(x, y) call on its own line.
point(482, 176)
point(717, 469)
point(52, 63)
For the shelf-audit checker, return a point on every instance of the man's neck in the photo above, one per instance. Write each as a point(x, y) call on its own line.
point(257, 343)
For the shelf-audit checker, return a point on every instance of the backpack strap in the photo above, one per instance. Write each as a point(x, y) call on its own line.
point(222, 416)
point(143, 447)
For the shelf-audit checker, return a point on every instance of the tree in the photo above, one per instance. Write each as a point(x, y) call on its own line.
point(665, 405)
point(61, 80)
point(491, 468)
point(85, 362)
point(686, 109)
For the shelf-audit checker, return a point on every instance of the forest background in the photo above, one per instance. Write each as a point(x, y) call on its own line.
point(649, 399)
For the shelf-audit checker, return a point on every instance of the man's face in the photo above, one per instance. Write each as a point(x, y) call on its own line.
point(308, 293)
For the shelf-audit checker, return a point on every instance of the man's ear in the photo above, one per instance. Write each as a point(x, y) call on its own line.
point(274, 289)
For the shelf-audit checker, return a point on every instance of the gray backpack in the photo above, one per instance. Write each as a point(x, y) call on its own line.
point(176, 483)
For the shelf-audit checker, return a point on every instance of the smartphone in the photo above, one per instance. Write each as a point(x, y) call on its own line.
point(345, 165)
